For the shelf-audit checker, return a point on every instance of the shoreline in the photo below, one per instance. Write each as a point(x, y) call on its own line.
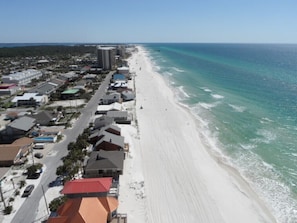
point(181, 182)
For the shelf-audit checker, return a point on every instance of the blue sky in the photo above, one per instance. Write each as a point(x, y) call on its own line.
point(132, 21)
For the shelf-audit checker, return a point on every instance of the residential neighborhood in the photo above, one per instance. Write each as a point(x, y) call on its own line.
point(40, 105)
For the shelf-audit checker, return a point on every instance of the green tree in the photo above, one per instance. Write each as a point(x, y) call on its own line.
point(56, 203)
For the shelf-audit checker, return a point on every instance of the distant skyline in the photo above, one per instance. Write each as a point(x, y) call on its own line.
point(136, 21)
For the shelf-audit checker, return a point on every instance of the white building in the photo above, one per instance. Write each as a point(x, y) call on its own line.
point(30, 99)
point(123, 70)
point(22, 78)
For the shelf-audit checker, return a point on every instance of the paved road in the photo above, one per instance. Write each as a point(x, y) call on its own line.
point(27, 212)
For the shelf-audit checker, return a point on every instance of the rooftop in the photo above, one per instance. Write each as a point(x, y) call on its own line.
point(89, 185)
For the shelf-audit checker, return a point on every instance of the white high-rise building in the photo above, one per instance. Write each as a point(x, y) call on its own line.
point(106, 57)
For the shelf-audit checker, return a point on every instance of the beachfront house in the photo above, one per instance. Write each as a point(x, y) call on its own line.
point(104, 164)
point(96, 135)
point(120, 117)
point(111, 98)
point(128, 95)
point(89, 187)
point(103, 109)
point(86, 210)
point(102, 121)
point(109, 142)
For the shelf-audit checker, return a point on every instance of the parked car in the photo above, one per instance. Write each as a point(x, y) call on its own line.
point(39, 146)
point(28, 190)
point(38, 155)
point(33, 176)
point(57, 182)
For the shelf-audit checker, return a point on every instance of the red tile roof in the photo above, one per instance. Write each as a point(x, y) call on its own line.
point(89, 185)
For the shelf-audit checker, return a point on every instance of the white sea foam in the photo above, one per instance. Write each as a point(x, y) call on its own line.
point(266, 136)
point(265, 120)
point(185, 94)
point(217, 96)
point(247, 146)
point(237, 108)
point(265, 180)
point(178, 70)
point(208, 106)
point(167, 73)
point(206, 89)
point(261, 175)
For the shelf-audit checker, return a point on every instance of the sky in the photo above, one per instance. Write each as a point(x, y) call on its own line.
point(139, 21)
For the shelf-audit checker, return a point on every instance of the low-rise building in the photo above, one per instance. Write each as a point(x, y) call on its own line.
point(14, 153)
point(109, 142)
point(30, 99)
point(103, 109)
point(8, 89)
point(128, 95)
point(105, 164)
point(120, 117)
point(111, 98)
point(70, 93)
point(22, 78)
point(86, 209)
point(90, 187)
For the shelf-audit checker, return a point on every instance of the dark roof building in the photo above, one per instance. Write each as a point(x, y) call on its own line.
point(102, 121)
point(109, 142)
point(105, 164)
point(96, 135)
point(43, 118)
point(17, 129)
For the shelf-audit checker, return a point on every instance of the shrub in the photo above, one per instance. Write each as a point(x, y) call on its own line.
point(56, 203)
point(7, 210)
point(22, 183)
point(16, 193)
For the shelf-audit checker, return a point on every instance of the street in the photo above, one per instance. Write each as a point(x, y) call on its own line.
point(27, 212)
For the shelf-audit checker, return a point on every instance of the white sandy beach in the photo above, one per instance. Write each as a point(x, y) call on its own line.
point(169, 174)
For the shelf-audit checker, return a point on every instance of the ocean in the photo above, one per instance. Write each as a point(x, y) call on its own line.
point(244, 97)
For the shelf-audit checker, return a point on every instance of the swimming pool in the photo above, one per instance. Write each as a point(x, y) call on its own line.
point(45, 139)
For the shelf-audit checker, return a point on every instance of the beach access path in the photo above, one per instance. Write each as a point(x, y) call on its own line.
point(175, 177)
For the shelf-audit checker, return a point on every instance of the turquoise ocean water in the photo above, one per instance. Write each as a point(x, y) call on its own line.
point(245, 98)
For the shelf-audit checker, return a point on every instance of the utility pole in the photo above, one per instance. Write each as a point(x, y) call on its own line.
point(12, 183)
point(32, 156)
point(1, 193)
point(44, 199)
